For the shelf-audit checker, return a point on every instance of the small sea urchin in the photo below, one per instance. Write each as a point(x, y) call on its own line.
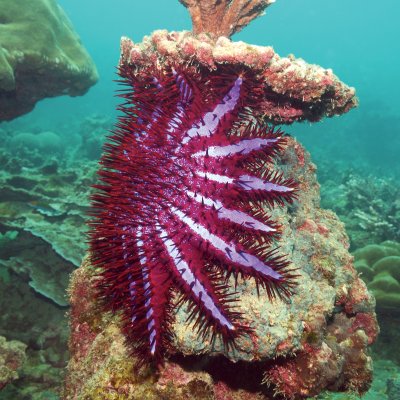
point(186, 180)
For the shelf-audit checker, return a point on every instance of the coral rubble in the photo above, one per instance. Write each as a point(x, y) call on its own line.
point(40, 56)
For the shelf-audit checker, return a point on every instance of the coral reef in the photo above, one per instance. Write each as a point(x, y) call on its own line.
point(324, 331)
point(40, 56)
point(384, 372)
point(293, 89)
point(368, 205)
point(41, 325)
point(45, 201)
point(12, 357)
point(385, 347)
point(45, 189)
point(379, 266)
point(92, 133)
point(223, 18)
point(34, 199)
point(393, 388)
point(32, 257)
point(40, 206)
point(24, 142)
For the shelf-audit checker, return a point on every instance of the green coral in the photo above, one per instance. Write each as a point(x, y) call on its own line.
point(40, 56)
point(5, 238)
point(379, 266)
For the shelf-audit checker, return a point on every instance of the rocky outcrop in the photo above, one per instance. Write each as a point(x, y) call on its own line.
point(293, 89)
point(324, 331)
point(315, 341)
point(12, 356)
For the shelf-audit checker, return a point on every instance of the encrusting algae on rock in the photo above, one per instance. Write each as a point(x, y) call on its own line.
point(12, 357)
point(300, 338)
point(325, 332)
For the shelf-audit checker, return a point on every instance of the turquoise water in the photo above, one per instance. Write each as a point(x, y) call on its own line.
point(357, 154)
point(357, 39)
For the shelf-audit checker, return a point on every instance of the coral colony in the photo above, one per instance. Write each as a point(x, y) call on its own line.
point(181, 205)
point(189, 177)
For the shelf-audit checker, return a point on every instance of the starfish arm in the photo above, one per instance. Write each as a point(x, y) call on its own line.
point(196, 287)
point(209, 123)
point(149, 326)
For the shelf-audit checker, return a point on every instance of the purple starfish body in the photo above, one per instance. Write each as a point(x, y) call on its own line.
point(185, 180)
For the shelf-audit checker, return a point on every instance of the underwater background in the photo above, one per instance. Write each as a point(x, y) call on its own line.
point(49, 157)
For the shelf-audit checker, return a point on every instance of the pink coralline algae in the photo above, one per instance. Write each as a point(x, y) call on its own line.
point(207, 219)
point(292, 89)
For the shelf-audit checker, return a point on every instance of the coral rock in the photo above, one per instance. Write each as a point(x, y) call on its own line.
point(325, 329)
point(293, 89)
point(40, 56)
point(12, 356)
point(326, 325)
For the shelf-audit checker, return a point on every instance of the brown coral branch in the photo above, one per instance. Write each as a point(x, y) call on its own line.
point(223, 17)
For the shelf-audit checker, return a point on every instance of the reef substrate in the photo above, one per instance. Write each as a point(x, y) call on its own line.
point(324, 330)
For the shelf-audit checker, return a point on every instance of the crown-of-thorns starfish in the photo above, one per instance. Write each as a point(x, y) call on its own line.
point(187, 178)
